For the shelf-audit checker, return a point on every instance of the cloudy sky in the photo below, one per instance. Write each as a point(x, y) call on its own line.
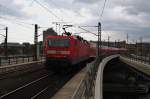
point(120, 17)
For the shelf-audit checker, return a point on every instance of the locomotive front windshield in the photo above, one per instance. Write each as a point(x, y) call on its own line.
point(58, 42)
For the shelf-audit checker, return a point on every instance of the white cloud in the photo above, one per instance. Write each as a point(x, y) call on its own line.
point(119, 17)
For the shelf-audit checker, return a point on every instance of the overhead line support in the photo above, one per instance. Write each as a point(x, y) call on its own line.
point(99, 40)
point(36, 42)
point(6, 45)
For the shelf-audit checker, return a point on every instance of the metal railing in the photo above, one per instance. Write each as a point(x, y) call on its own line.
point(4, 61)
point(87, 85)
point(140, 58)
point(91, 86)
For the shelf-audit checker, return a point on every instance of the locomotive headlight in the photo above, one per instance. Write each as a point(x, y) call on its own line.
point(51, 52)
point(65, 52)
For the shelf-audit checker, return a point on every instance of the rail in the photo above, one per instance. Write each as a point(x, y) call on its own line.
point(5, 61)
point(20, 89)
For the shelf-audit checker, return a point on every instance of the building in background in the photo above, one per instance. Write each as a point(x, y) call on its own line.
point(14, 48)
point(28, 49)
point(49, 32)
point(139, 48)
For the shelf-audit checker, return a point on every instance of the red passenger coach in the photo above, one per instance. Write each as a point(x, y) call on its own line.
point(107, 51)
point(64, 51)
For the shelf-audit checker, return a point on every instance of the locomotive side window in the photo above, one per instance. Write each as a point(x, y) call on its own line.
point(59, 42)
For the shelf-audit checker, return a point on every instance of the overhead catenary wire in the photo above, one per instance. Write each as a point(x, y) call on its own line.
point(51, 12)
point(8, 9)
point(31, 3)
point(2, 29)
point(2, 39)
point(48, 10)
point(16, 22)
point(2, 35)
point(87, 31)
point(57, 6)
point(4, 9)
point(101, 15)
point(21, 23)
point(103, 8)
point(43, 27)
point(3, 25)
point(25, 22)
point(62, 11)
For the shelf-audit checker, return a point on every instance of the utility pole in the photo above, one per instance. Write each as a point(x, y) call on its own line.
point(127, 37)
point(141, 41)
point(6, 46)
point(59, 27)
point(108, 41)
point(127, 40)
point(115, 43)
point(136, 49)
point(36, 42)
point(118, 43)
point(56, 27)
point(99, 40)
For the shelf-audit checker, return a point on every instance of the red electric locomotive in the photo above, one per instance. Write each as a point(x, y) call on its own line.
point(62, 52)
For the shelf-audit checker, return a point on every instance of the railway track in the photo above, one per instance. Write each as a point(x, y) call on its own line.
point(121, 81)
point(21, 72)
point(28, 90)
point(17, 80)
point(43, 87)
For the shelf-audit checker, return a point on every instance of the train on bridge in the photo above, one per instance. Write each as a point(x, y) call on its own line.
point(65, 51)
